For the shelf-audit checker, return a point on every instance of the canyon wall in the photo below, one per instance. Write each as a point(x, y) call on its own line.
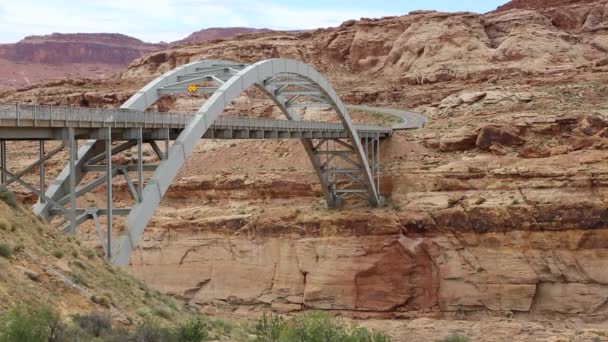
point(425, 47)
point(512, 234)
point(103, 48)
point(497, 207)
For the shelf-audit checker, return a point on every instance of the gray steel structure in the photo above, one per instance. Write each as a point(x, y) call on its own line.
point(345, 156)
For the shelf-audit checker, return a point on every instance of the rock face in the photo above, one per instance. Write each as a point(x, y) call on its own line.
point(59, 56)
point(215, 33)
point(425, 47)
point(78, 48)
point(538, 4)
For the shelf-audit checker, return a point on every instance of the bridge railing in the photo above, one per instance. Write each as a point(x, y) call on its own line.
point(26, 115)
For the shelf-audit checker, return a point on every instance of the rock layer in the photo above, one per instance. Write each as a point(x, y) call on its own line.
point(496, 208)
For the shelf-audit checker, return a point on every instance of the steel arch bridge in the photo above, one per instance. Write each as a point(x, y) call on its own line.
point(288, 83)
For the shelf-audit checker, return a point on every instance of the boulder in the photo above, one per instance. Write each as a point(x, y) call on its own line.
point(490, 135)
point(534, 151)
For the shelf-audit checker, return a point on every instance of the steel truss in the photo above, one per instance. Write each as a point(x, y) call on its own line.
point(345, 166)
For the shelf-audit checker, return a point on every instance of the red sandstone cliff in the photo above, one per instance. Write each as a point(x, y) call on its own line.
point(216, 33)
point(539, 4)
point(78, 48)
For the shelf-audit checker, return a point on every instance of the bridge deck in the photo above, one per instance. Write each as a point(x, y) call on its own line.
point(29, 122)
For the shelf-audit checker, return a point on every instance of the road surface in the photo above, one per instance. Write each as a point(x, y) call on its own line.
point(409, 120)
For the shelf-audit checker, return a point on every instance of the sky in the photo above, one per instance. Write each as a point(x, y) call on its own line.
point(170, 20)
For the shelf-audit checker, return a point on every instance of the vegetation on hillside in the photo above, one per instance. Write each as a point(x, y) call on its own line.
point(313, 327)
point(43, 324)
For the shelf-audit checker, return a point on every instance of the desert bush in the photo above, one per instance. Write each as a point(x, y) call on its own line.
point(162, 312)
point(104, 301)
point(7, 196)
point(313, 327)
point(144, 312)
point(31, 324)
point(194, 330)
point(117, 335)
point(58, 253)
point(94, 324)
point(89, 253)
point(151, 331)
point(269, 328)
point(5, 250)
point(455, 338)
point(316, 327)
point(5, 224)
point(79, 264)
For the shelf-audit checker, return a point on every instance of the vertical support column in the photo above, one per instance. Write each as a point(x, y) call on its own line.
point(73, 151)
point(140, 164)
point(378, 162)
point(372, 159)
point(167, 137)
point(42, 173)
point(109, 191)
point(2, 161)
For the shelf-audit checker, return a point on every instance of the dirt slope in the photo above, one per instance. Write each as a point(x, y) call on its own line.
point(42, 260)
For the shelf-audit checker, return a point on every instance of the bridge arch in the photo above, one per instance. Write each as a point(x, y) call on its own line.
point(259, 74)
point(277, 78)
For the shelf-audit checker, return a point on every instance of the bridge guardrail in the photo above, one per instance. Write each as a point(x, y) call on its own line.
point(26, 115)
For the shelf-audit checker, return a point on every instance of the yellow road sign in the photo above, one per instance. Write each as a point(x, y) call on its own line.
point(192, 88)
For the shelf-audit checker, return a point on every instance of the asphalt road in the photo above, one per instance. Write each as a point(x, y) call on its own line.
point(409, 120)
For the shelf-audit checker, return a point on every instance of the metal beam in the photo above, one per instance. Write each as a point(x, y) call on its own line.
point(42, 171)
point(73, 154)
point(3, 161)
point(100, 212)
point(102, 168)
point(109, 206)
point(39, 163)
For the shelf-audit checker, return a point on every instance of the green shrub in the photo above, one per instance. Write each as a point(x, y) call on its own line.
point(89, 253)
point(95, 323)
point(151, 331)
point(194, 330)
point(31, 324)
point(162, 312)
point(313, 327)
point(455, 338)
point(222, 326)
point(58, 253)
point(144, 312)
point(104, 301)
point(7, 196)
point(5, 250)
point(316, 327)
point(79, 264)
point(120, 334)
point(5, 224)
point(269, 328)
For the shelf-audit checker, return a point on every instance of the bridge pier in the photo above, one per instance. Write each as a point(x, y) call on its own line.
point(341, 172)
point(109, 206)
point(3, 161)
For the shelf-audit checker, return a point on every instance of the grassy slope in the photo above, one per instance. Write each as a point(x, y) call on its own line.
point(41, 245)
